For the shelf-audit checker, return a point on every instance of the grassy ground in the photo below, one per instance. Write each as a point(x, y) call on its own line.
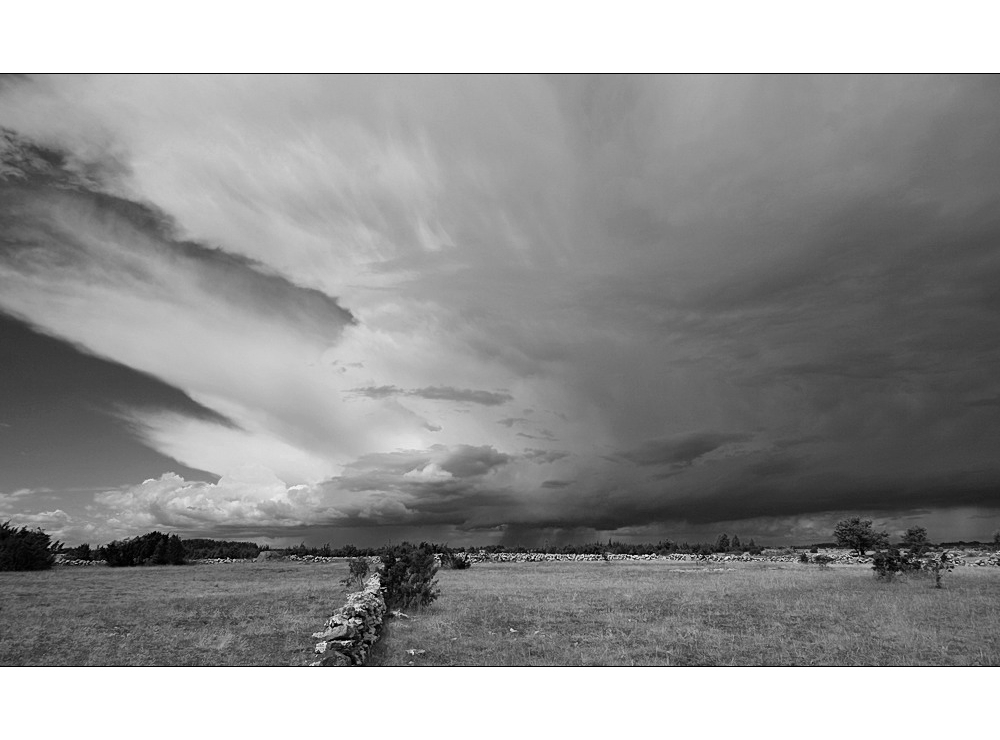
point(197, 615)
point(574, 614)
point(565, 614)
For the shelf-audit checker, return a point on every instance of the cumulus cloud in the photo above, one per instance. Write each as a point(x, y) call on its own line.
point(251, 496)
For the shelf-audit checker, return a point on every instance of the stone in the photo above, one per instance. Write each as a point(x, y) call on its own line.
point(332, 659)
point(333, 633)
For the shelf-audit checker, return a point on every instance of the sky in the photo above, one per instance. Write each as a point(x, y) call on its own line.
point(499, 309)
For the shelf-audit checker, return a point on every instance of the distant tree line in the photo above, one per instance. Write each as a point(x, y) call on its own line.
point(24, 549)
point(204, 549)
point(193, 549)
point(154, 548)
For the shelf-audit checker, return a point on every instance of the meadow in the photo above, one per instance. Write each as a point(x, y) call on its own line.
point(241, 614)
point(508, 614)
point(677, 614)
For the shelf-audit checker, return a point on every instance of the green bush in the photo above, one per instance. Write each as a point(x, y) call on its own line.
point(454, 561)
point(358, 573)
point(938, 566)
point(408, 579)
point(823, 561)
point(803, 558)
point(889, 563)
point(24, 549)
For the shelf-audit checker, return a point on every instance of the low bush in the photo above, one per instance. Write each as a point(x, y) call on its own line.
point(24, 549)
point(891, 562)
point(939, 566)
point(803, 558)
point(408, 579)
point(823, 561)
point(358, 572)
point(455, 561)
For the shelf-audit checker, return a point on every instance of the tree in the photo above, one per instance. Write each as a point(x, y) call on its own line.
point(80, 552)
point(915, 540)
point(159, 556)
point(722, 544)
point(175, 550)
point(857, 534)
point(24, 549)
point(735, 544)
point(154, 548)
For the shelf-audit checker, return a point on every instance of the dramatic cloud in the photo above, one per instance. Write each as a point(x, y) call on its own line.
point(503, 307)
point(679, 451)
point(459, 395)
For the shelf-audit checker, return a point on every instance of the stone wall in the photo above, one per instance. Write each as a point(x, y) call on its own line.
point(349, 634)
point(957, 557)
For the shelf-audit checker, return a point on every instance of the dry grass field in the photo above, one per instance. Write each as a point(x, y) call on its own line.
point(242, 614)
point(515, 614)
point(657, 613)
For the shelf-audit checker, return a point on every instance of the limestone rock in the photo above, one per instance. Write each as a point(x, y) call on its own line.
point(333, 659)
point(333, 633)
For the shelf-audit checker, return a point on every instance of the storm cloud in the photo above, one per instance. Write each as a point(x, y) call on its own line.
point(494, 307)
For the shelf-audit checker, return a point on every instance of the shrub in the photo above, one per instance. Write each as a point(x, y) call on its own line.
point(938, 566)
point(408, 579)
point(803, 558)
point(814, 550)
point(24, 549)
point(888, 563)
point(823, 561)
point(454, 561)
point(359, 568)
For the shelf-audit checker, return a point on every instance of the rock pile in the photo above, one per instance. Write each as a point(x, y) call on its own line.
point(223, 561)
point(350, 632)
point(71, 562)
